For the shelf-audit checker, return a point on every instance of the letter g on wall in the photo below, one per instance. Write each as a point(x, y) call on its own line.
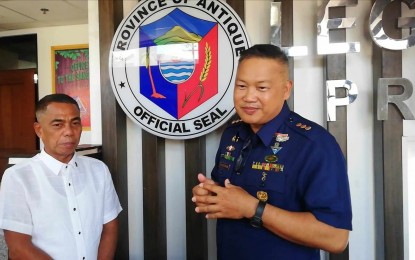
point(377, 30)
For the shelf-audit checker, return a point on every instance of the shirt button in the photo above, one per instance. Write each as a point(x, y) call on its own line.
point(69, 184)
point(66, 167)
point(83, 257)
point(79, 232)
point(74, 209)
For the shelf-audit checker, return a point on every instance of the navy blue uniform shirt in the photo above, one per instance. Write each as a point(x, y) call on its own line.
point(302, 169)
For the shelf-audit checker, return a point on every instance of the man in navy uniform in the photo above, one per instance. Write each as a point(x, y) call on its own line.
point(279, 187)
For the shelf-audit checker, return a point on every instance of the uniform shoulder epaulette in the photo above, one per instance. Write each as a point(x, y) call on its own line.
point(301, 125)
point(236, 121)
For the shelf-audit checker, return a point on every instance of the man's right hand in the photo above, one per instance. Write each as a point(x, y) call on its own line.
point(21, 247)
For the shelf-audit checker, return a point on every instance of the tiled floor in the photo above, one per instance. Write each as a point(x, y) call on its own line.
point(3, 249)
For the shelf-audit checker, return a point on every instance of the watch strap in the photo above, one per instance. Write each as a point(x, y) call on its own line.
point(256, 220)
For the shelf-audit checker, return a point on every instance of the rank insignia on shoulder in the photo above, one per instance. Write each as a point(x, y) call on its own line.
point(305, 127)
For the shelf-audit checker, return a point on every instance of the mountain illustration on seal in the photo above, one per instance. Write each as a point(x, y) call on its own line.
point(178, 62)
point(177, 24)
point(177, 35)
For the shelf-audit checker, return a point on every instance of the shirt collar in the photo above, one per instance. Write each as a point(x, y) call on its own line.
point(267, 131)
point(54, 165)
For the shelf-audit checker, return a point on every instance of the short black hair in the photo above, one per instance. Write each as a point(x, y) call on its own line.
point(268, 51)
point(43, 103)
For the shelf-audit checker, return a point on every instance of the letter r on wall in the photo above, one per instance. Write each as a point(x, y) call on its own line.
point(384, 98)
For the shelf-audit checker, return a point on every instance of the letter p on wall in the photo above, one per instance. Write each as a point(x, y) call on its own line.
point(333, 101)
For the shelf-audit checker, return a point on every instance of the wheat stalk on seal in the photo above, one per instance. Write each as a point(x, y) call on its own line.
point(208, 62)
point(203, 76)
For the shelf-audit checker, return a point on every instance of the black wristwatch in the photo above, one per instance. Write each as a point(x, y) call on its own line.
point(256, 220)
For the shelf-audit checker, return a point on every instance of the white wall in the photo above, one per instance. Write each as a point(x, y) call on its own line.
point(408, 167)
point(95, 135)
point(360, 137)
point(70, 35)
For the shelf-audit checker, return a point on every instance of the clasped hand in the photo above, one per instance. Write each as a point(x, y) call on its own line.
point(216, 201)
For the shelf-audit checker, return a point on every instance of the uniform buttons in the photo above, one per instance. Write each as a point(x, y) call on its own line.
point(69, 184)
point(83, 257)
point(66, 167)
point(290, 119)
point(74, 209)
point(79, 232)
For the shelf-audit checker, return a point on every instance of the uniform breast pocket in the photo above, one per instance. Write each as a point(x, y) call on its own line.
point(274, 184)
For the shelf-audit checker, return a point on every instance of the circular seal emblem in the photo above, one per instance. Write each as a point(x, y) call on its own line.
point(172, 65)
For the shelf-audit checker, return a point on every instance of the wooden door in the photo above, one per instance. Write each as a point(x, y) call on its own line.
point(17, 113)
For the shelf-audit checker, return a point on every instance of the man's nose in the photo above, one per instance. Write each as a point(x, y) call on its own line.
point(68, 130)
point(250, 94)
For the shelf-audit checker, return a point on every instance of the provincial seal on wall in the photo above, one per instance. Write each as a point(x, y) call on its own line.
point(172, 65)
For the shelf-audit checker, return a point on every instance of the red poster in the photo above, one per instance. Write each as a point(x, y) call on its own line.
point(71, 76)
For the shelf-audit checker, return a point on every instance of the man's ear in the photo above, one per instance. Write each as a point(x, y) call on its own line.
point(288, 88)
point(38, 129)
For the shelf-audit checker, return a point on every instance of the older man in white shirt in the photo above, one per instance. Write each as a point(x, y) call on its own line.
point(59, 205)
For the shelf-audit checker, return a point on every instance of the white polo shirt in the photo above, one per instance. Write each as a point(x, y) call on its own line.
point(62, 206)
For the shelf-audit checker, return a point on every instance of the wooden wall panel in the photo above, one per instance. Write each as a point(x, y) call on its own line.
point(388, 148)
point(154, 197)
point(287, 38)
point(239, 7)
point(196, 224)
point(114, 147)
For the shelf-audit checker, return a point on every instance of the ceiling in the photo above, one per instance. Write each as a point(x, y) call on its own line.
point(24, 14)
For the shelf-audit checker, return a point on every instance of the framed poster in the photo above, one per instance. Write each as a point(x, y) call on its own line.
point(70, 75)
